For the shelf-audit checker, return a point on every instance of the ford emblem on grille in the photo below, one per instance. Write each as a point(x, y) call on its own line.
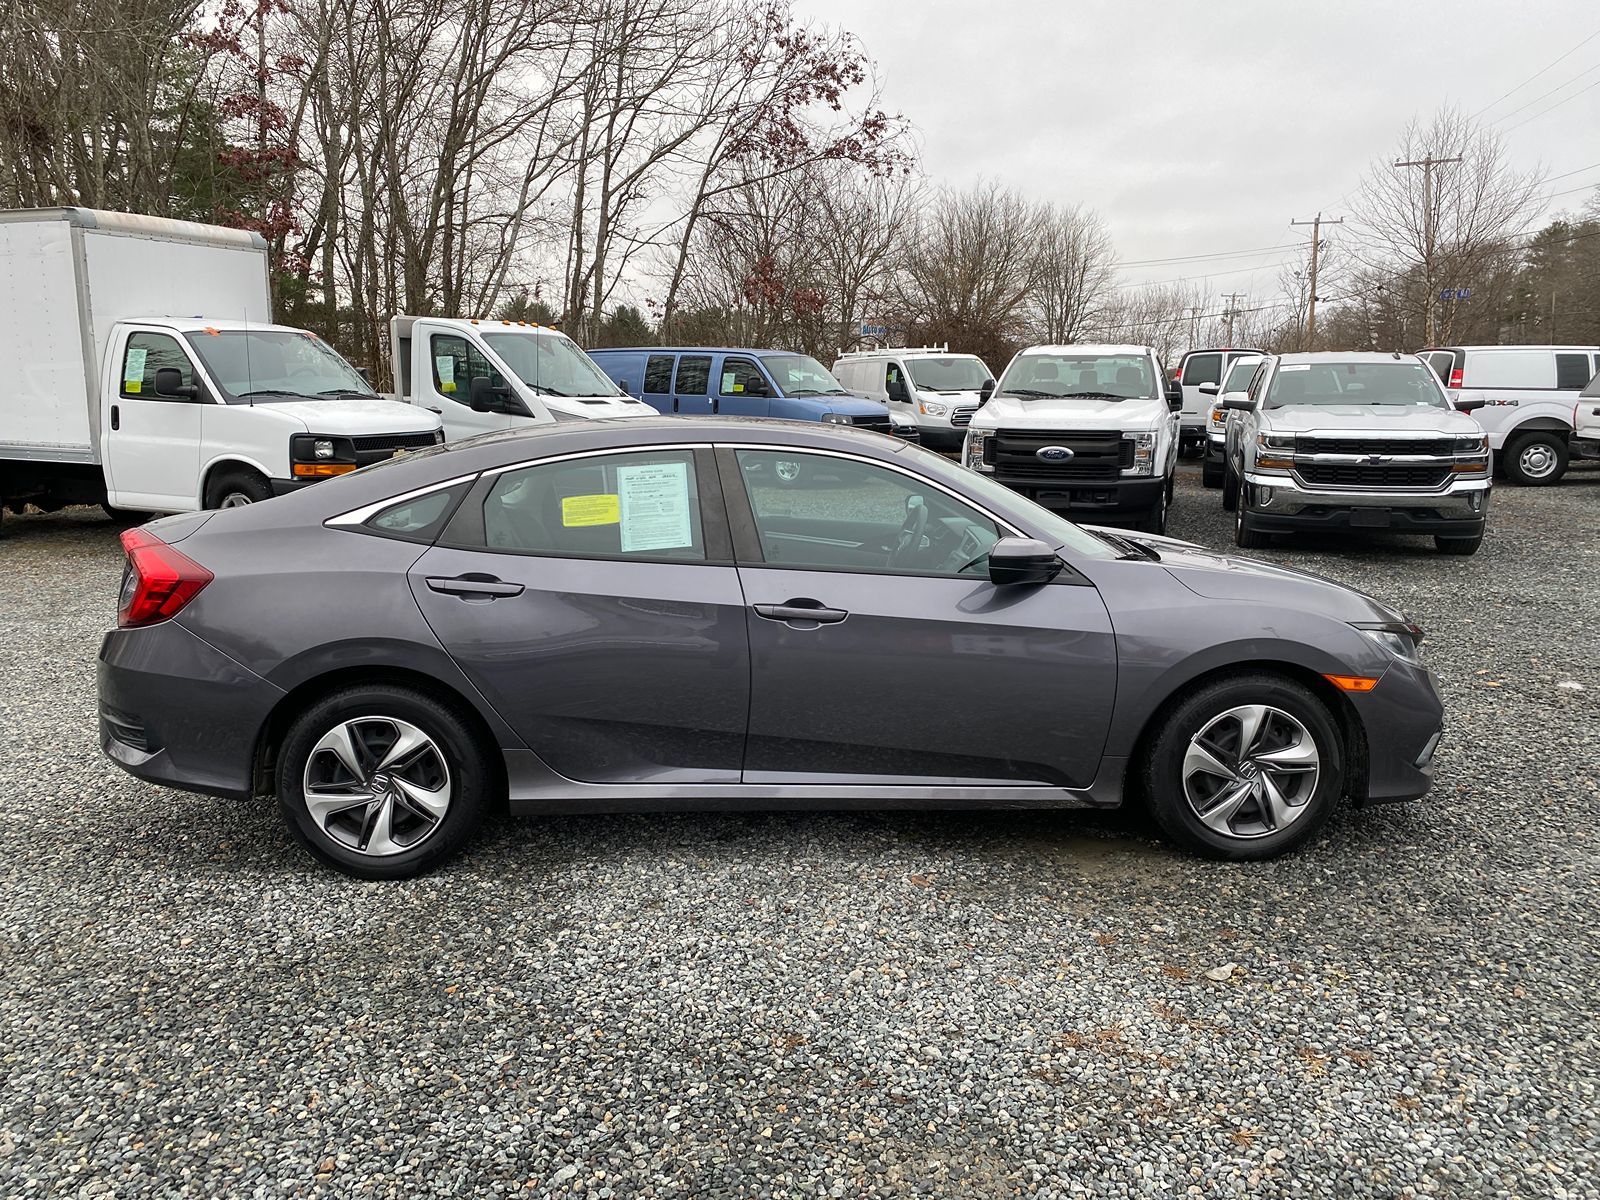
point(1053, 453)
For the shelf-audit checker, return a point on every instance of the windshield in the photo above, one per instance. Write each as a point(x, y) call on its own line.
point(259, 365)
point(1407, 382)
point(1105, 376)
point(959, 373)
point(1239, 375)
point(801, 375)
point(551, 363)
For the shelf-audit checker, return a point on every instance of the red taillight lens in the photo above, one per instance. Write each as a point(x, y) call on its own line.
point(159, 581)
point(1455, 377)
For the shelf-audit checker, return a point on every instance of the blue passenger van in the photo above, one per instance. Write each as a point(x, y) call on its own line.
point(742, 383)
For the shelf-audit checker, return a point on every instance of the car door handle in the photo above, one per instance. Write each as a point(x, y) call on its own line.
point(809, 612)
point(485, 587)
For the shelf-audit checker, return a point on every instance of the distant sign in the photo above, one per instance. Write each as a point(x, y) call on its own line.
point(1455, 294)
point(874, 331)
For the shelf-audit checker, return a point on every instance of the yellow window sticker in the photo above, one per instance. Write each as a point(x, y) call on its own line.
point(591, 510)
point(133, 370)
point(445, 365)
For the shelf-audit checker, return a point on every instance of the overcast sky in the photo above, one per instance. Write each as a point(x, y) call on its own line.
point(1201, 128)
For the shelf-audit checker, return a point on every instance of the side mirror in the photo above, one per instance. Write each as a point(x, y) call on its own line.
point(483, 396)
point(896, 389)
point(1016, 560)
point(1237, 403)
point(623, 384)
point(986, 391)
point(1470, 405)
point(366, 375)
point(1174, 395)
point(1208, 389)
point(169, 384)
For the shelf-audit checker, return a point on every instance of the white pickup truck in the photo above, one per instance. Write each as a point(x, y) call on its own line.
point(483, 375)
point(144, 375)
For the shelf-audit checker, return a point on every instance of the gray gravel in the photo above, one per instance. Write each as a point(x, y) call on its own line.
point(824, 1005)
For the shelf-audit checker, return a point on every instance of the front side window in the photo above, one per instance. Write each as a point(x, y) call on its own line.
point(741, 377)
point(1096, 376)
point(801, 375)
point(643, 505)
point(1202, 368)
point(456, 363)
point(146, 354)
point(658, 375)
point(958, 373)
point(1239, 376)
point(1404, 382)
point(842, 514)
point(262, 365)
point(694, 375)
point(550, 363)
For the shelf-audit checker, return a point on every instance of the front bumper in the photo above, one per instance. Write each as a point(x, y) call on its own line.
point(944, 438)
point(1133, 494)
point(1460, 511)
point(1403, 718)
point(1216, 446)
point(176, 711)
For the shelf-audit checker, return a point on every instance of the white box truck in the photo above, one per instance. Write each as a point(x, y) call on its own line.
point(481, 375)
point(143, 373)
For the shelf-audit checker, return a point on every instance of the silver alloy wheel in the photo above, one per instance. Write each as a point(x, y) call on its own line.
point(234, 500)
point(1536, 460)
point(786, 470)
point(1251, 771)
point(377, 785)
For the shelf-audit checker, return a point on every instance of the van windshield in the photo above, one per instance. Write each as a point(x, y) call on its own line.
point(801, 375)
point(959, 373)
point(262, 365)
point(1096, 376)
point(551, 363)
point(1408, 382)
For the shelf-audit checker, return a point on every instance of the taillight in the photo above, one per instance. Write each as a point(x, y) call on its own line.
point(1455, 377)
point(158, 582)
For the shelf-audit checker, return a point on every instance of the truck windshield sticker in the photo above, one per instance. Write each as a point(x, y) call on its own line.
point(445, 365)
point(654, 506)
point(133, 370)
point(578, 511)
point(729, 387)
point(1295, 367)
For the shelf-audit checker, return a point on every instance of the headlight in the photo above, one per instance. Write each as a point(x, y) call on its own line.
point(1144, 454)
point(932, 408)
point(322, 448)
point(1472, 445)
point(1275, 441)
point(976, 454)
point(1400, 638)
point(835, 419)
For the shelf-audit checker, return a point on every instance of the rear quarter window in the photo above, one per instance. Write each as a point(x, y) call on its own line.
point(1202, 368)
point(1510, 369)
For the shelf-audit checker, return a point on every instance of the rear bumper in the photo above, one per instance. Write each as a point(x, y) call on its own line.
point(1111, 497)
point(1403, 718)
point(176, 711)
point(1460, 512)
point(1585, 447)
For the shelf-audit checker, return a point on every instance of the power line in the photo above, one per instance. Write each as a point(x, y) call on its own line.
point(1579, 171)
point(1154, 262)
point(1553, 107)
point(1539, 72)
point(1551, 92)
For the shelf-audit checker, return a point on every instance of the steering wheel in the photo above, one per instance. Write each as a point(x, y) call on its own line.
point(909, 540)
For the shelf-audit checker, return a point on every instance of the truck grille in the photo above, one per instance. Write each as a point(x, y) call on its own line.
point(1437, 447)
point(377, 447)
point(1377, 475)
point(962, 417)
point(1096, 455)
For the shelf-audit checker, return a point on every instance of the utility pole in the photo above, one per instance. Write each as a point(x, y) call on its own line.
point(1428, 164)
point(1194, 326)
point(1229, 313)
point(1316, 248)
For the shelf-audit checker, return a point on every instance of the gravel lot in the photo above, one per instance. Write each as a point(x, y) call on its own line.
point(825, 1005)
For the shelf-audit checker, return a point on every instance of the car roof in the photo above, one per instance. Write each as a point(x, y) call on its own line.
point(1087, 348)
point(1347, 356)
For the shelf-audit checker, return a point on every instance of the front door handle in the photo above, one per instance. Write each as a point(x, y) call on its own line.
point(807, 614)
point(116, 417)
point(432, 409)
point(474, 586)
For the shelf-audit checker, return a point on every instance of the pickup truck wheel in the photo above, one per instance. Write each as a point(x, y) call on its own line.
point(1457, 545)
point(1245, 768)
point(1537, 459)
point(1211, 474)
point(1230, 487)
point(235, 489)
point(1245, 535)
point(1155, 518)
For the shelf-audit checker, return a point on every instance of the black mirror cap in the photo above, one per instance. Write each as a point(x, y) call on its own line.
point(483, 396)
point(169, 383)
point(1174, 403)
point(1208, 389)
point(987, 389)
point(1238, 404)
point(1018, 560)
point(1470, 405)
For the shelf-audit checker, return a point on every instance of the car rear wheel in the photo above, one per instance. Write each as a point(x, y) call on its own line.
point(1537, 459)
point(382, 782)
point(235, 489)
point(1245, 768)
point(1457, 545)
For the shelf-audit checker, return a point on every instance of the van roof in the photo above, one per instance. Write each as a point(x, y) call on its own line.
point(688, 350)
point(907, 352)
point(1482, 349)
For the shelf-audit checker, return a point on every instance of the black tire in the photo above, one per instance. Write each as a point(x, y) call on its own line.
point(468, 760)
point(125, 518)
point(1172, 485)
point(1230, 487)
point(1245, 535)
point(1211, 473)
point(1457, 545)
point(1536, 459)
point(237, 486)
point(1155, 518)
point(1164, 777)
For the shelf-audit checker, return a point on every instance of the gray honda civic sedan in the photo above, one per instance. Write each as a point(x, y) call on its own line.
point(680, 613)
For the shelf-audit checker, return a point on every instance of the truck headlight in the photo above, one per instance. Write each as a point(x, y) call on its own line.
point(976, 454)
point(322, 448)
point(933, 408)
point(836, 419)
point(312, 456)
point(1276, 441)
point(1472, 445)
point(1144, 454)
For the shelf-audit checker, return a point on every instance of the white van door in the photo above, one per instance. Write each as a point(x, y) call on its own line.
point(444, 363)
point(150, 443)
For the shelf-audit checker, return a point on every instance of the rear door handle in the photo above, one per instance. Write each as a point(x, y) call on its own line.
point(116, 417)
point(806, 612)
point(468, 587)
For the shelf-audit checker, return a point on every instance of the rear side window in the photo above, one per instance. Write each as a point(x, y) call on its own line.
point(1202, 368)
point(644, 505)
point(658, 375)
point(422, 517)
point(1572, 370)
point(1511, 369)
point(694, 374)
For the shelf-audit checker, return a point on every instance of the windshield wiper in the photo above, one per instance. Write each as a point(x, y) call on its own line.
point(349, 392)
point(1031, 394)
point(1130, 548)
point(274, 392)
point(545, 389)
point(1093, 396)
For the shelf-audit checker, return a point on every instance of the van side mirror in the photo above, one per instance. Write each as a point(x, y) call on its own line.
point(1470, 405)
point(986, 391)
point(896, 389)
point(1018, 560)
point(366, 375)
point(483, 396)
point(623, 384)
point(170, 385)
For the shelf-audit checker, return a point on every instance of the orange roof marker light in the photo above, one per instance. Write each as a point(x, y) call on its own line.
point(1352, 683)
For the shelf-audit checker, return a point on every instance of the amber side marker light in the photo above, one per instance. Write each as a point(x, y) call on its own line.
point(1352, 683)
point(322, 469)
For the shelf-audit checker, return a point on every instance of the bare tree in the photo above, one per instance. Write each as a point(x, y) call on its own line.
point(1073, 268)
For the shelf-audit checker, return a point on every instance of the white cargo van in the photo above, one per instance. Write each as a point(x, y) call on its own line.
point(930, 386)
point(144, 375)
point(1528, 393)
point(483, 375)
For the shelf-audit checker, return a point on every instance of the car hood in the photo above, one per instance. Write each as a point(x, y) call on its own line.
point(354, 416)
point(850, 406)
point(597, 408)
point(1013, 412)
point(1229, 577)
point(1368, 418)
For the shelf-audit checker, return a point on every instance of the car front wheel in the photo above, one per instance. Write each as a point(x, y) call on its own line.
point(1245, 768)
point(382, 782)
point(1245, 535)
